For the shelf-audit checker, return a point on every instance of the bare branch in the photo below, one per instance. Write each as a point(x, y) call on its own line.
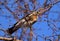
point(5, 38)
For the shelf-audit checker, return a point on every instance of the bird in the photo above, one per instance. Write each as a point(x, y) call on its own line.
point(26, 21)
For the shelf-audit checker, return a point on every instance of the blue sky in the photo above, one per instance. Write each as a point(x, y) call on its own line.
point(42, 27)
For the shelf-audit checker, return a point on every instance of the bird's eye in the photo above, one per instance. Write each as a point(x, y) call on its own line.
point(37, 12)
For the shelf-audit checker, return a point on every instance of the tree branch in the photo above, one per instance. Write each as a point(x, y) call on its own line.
point(5, 38)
